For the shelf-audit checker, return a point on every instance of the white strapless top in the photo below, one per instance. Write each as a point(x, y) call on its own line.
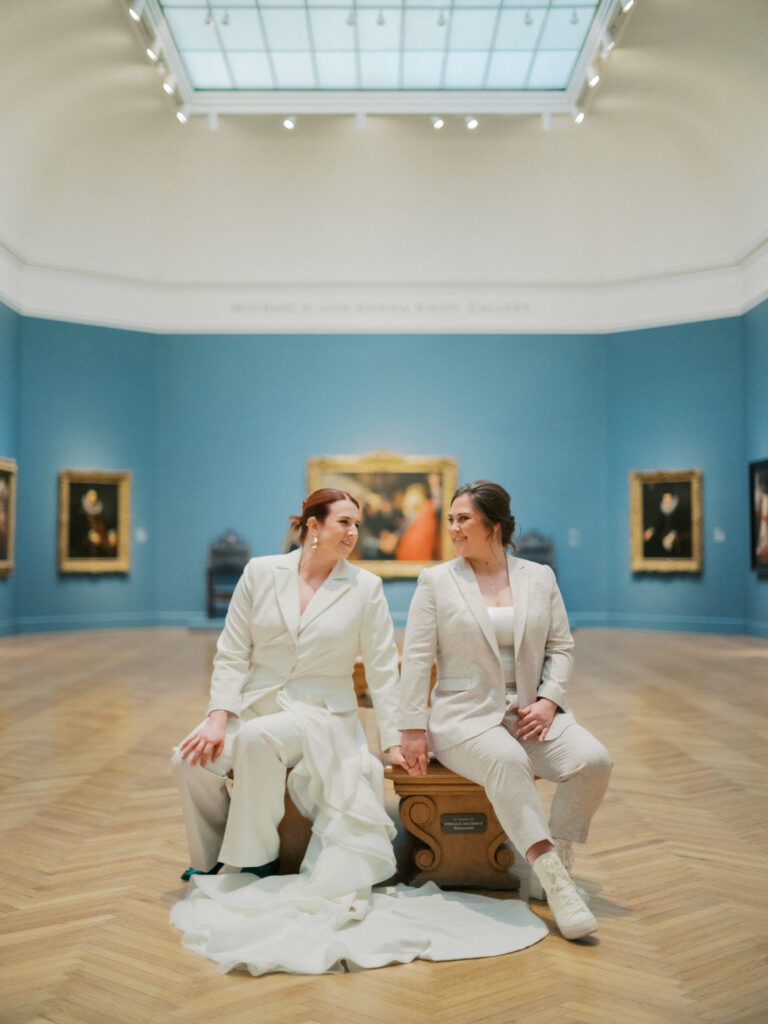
point(503, 622)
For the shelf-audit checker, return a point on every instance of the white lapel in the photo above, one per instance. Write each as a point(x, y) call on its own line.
point(467, 584)
point(518, 584)
point(338, 583)
point(286, 575)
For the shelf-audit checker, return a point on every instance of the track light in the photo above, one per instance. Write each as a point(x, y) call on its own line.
point(181, 116)
point(528, 20)
point(593, 76)
point(626, 4)
point(575, 17)
point(608, 45)
point(153, 51)
point(135, 9)
point(578, 117)
point(471, 122)
point(441, 20)
point(169, 85)
point(351, 18)
point(437, 122)
point(381, 20)
point(289, 123)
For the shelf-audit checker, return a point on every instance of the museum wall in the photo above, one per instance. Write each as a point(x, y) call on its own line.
point(217, 430)
point(8, 418)
point(756, 417)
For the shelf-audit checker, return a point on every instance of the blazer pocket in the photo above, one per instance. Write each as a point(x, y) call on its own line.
point(454, 684)
point(341, 702)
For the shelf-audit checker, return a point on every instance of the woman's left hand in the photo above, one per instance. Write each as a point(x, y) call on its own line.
point(535, 720)
point(396, 756)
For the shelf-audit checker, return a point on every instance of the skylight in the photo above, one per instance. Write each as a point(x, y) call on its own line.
point(401, 56)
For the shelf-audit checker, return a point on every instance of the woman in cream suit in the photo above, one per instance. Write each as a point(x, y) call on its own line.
point(499, 714)
point(282, 697)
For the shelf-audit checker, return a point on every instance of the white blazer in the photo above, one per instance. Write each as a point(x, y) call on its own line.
point(266, 645)
point(448, 621)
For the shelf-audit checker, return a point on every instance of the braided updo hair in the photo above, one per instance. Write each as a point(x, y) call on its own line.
point(318, 504)
point(492, 502)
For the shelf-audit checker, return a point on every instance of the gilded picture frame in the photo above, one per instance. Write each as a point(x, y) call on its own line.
point(8, 478)
point(758, 518)
point(404, 501)
point(666, 521)
point(94, 521)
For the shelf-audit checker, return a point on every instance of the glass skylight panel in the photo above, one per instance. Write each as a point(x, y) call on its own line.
point(493, 45)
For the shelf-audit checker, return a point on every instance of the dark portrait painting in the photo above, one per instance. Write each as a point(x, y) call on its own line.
point(94, 521)
point(666, 521)
point(403, 504)
point(7, 514)
point(758, 502)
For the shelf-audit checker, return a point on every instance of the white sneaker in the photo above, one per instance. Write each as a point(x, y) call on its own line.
point(572, 916)
point(564, 850)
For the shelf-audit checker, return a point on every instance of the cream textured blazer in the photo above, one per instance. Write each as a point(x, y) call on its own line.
point(267, 646)
point(449, 622)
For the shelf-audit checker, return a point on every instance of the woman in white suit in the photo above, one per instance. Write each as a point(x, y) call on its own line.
point(498, 629)
point(282, 696)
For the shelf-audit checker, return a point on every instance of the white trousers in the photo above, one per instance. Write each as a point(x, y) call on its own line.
point(242, 831)
point(506, 767)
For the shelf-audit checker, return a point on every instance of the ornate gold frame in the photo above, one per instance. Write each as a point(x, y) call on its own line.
point(9, 467)
point(336, 471)
point(122, 560)
point(640, 562)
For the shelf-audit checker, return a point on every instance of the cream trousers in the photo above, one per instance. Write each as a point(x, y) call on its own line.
point(506, 767)
point(243, 831)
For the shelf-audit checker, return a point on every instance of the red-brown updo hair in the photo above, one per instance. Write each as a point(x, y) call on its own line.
point(318, 504)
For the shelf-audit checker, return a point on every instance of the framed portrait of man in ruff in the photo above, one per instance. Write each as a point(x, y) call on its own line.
point(7, 515)
point(94, 521)
point(758, 503)
point(665, 521)
point(404, 502)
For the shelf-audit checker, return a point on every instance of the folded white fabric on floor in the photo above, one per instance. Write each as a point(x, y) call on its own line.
point(282, 923)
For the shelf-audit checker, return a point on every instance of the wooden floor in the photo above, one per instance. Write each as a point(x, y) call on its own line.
point(92, 843)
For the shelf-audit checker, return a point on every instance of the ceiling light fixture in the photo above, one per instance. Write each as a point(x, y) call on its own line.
point(135, 9)
point(351, 18)
point(225, 19)
point(182, 115)
point(209, 18)
point(608, 45)
point(289, 123)
point(153, 51)
point(574, 17)
point(437, 122)
point(381, 20)
point(169, 85)
point(528, 18)
point(593, 76)
point(471, 122)
point(441, 20)
point(578, 117)
point(626, 4)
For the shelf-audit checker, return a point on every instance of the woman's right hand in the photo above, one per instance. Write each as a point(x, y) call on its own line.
point(413, 746)
point(206, 743)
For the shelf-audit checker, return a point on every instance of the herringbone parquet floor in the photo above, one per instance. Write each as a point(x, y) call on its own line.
point(93, 845)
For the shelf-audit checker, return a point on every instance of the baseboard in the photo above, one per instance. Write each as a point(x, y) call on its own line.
point(662, 623)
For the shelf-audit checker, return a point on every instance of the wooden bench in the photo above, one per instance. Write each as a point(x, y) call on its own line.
point(460, 840)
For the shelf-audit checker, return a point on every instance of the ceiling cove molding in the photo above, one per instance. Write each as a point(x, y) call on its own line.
point(79, 296)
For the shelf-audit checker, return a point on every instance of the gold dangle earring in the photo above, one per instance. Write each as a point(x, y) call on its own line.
point(314, 543)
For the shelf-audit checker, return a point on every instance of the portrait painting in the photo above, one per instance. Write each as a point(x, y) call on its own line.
point(7, 514)
point(758, 503)
point(665, 521)
point(94, 521)
point(404, 501)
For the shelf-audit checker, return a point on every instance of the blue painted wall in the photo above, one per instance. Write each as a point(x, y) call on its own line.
point(218, 429)
point(676, 402)
point(756, 438)
point(9, 324)
point(88, 402)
